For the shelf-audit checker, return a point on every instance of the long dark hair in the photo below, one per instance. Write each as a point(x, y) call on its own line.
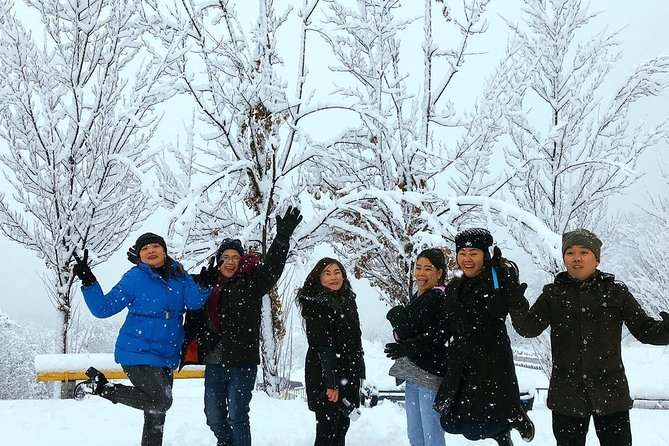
point(312, 287)
point(312, 284)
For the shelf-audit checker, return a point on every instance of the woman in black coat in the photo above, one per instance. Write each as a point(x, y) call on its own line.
point(334, 364)
point(479, 396)
point(420, 351)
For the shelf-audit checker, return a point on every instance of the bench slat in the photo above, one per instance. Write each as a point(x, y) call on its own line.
point(110, 374)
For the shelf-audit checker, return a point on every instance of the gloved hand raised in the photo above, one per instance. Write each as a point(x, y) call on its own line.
point(665, 319)
point(285, 226)
point(82, 270)
point(208, 275)
point(133, 256)
point(508, 279)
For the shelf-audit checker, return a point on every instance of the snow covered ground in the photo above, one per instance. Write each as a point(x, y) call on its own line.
point(274, 422)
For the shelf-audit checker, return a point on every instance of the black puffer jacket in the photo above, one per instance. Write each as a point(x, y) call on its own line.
point(586, 320)
point(480, 384)
point(334, 357)
point(424, 328)
point(237, 344)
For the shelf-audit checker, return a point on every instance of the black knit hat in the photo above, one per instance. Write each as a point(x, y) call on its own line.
point(229, 243)
point(582, 237)
point(473, 238)
point(148, 238)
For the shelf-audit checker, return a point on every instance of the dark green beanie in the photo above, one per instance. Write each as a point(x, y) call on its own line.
point(582, 237)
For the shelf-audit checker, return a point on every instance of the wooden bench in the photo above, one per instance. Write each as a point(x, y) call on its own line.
point(71, 367)
point(79, 375)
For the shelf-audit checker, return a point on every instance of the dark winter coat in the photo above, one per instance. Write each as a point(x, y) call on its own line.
point(426, 331)
point(480, 385)
point(237, 342)
point(586, 320)
point(153, 330)
point(334, 357)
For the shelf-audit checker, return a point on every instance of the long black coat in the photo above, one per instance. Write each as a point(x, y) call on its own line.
point(586, 320)
point(237, 343)
point(480, 384)
point(335, 355)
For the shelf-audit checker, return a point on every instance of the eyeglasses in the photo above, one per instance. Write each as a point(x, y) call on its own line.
point(235, 259)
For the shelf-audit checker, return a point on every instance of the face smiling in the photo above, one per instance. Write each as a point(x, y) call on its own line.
point(153, 255)
point(470, 261)
point(332, 277)
point(229, 262)
point(581, 263)
point(426, 274)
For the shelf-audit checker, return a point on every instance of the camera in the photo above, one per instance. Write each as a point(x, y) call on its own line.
point(349, 409)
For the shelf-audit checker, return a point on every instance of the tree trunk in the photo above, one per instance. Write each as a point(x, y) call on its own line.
point(271, 379)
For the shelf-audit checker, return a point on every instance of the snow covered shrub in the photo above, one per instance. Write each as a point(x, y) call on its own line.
point(17, 370)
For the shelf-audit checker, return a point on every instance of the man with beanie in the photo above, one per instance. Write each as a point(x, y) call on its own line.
point(226, 333)
point(585, 309)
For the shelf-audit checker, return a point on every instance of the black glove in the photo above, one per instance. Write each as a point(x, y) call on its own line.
point(490, 268)
point(133, 256)
point(665, 319)
point(397, 317)
point(510, 284)
point(396, 350)
point(208, 275)
point(285, 226)
point(82, 270)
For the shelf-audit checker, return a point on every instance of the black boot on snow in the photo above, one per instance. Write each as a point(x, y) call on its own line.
point(504, 438)
point(96, 384)
point(524, 426)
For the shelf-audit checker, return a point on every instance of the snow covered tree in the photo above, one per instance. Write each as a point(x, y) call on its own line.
point(376, 184)
point(641, 240)
point(245, 170)
point(79, 109)
point(387, 195)
point(578, 148)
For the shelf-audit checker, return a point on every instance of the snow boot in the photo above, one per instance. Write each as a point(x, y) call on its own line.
point(96, 384)
point(524, 425)
point(504, 438)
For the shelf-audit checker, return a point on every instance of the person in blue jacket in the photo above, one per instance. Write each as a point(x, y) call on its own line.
point(157, 292)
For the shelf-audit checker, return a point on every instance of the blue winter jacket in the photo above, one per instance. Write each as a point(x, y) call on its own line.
point(153, 332)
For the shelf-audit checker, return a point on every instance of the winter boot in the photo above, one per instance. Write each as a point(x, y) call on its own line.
point(524, 425)
point(504, 438)
point(96, 384)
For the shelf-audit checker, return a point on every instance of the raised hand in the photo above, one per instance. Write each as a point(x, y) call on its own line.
point(133, 256)
point(508, 278)
point(209, 274)
point(82, 270)
point(285, 226)
point(492, 269)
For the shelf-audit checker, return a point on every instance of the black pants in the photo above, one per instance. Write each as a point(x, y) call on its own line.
point(152, 393)
point(331, 428)
point(612, 430)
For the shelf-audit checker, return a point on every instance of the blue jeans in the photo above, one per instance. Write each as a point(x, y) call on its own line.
point(227, 395)
point(423, 426)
